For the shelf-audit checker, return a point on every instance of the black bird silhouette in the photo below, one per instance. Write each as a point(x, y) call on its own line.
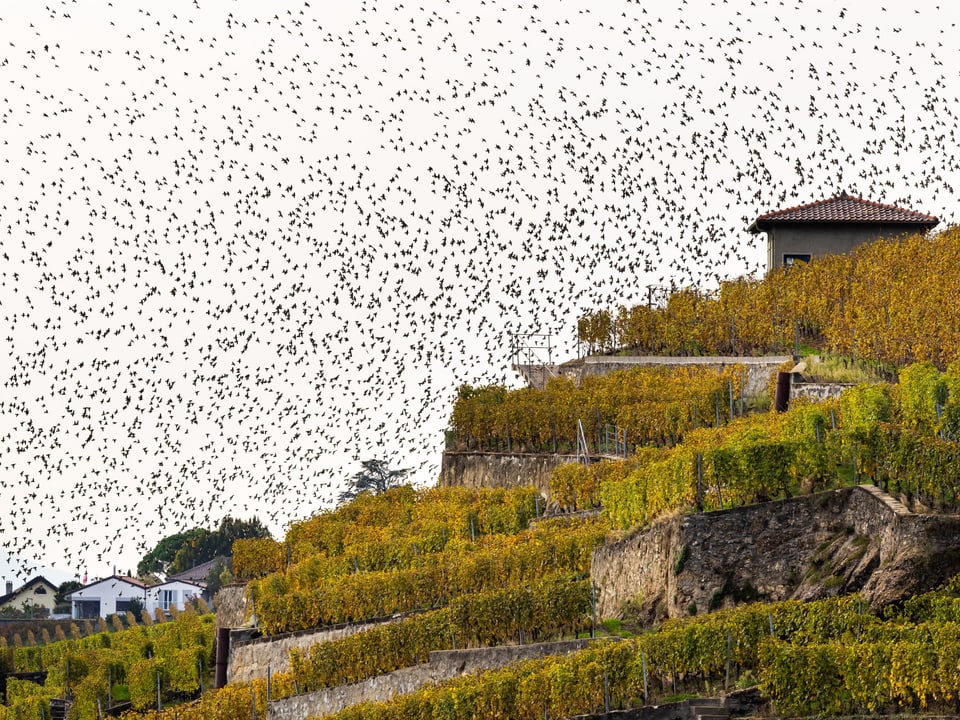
point(246, 245)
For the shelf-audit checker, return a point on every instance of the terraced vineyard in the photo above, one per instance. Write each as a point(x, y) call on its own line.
point(890, 301)
point(462, 568)
point(469, 568)
point(820, 658)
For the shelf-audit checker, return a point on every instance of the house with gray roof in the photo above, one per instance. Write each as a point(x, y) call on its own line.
point(38, 592)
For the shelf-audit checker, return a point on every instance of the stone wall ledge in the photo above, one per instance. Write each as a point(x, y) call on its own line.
point(443, 665)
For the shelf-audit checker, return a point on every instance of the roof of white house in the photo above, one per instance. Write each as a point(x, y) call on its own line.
point(113, 581)
point(199, 586)
point(198, 573)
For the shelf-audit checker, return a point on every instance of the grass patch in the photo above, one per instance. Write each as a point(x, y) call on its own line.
point(716, 600)
point(839, 369)
point(846, 474)
point(679, 697)
point(681, 560)
point(613, 626)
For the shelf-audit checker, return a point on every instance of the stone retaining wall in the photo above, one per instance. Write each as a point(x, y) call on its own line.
point(250, 659)
point(500, 470)
point(233, 607)
point(443, 665)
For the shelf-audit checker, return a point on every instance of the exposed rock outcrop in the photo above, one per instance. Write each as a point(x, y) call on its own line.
point(855, 539)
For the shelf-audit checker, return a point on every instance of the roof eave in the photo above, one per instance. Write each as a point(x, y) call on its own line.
point(759, 225)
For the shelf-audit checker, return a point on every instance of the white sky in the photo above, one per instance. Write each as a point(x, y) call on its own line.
point(246, 245)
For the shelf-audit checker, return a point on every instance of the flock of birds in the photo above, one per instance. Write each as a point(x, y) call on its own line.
point(247, 246)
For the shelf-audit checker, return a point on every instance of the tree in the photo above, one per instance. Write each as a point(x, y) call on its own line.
point(26, 611)
point(135, 605)
point(60, 600)
point(218, 542)
point(185, 550)
point(376, 478)
point(218, 576)
point(159, 559)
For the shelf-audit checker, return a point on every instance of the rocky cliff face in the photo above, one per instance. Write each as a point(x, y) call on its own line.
point(855, 539)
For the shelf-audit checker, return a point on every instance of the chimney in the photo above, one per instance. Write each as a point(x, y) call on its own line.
point(9, 587)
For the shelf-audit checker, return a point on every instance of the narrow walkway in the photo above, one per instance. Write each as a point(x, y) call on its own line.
point(708, 709)
point(891, 502)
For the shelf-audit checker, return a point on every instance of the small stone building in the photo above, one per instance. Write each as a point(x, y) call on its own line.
point(833, 227)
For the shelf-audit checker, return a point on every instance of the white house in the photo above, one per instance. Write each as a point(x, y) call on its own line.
point(116, 593)
point(172, 592)
point(106, 597)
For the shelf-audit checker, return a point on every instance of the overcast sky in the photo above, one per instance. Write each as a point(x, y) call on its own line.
point(247, 245)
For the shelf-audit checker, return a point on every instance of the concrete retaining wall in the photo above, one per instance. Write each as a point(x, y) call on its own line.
point(817, 391)
point(759, 369)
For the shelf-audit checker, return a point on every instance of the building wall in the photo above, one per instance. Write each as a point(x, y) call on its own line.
point(39, 594)
point(182, 592)
point(825, 239)
point(107, 592)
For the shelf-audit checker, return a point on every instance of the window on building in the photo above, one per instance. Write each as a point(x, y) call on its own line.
point(796, 259)
point(86, 609)
point(167, 598)
point(40, 591)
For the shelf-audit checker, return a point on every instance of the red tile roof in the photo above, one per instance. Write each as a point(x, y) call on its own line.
point(844, 209)
point(131, 580)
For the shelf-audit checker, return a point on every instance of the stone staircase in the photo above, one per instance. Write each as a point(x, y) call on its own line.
point(740, 703)
point(59, 709)
point(708, 709)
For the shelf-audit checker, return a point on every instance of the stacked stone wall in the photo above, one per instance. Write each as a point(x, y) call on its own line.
point(233, 606)
point(250, 659)
point(443, 665)
point(851, 540)
point(500, 470)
